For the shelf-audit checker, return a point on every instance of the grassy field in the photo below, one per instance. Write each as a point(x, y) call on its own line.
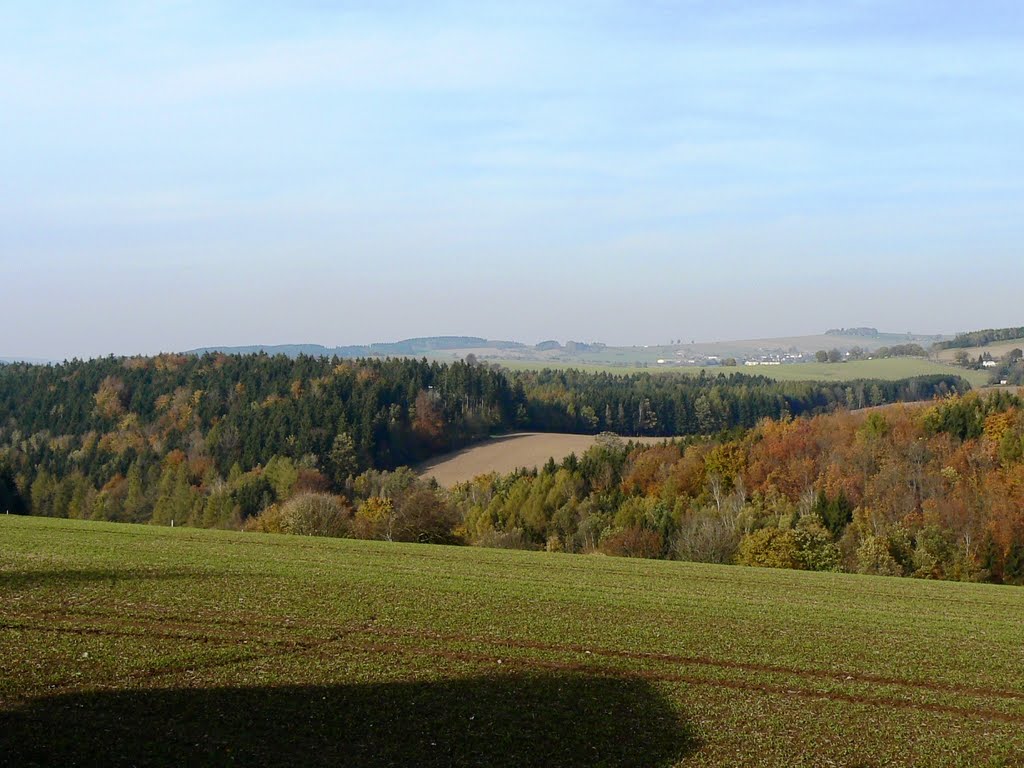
point(997, 349)
point(889, 369)
point(510, 452)
point(650, 353)
point(135, 645)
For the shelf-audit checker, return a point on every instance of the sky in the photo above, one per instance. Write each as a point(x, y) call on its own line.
point(185, 174)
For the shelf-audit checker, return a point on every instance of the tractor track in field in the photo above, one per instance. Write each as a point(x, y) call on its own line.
point(706, 661)
point(365, 637)
point(517, 663)
point(507, 664)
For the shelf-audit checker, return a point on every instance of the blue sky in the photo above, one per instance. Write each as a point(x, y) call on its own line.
point(181, 174)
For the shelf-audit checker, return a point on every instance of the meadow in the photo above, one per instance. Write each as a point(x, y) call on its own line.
point(887, 369)
point(996, 349)
point(144, 645)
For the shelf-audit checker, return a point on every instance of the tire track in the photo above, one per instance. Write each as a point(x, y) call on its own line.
point(706, 661)
point(737, 685)
point(274, 645)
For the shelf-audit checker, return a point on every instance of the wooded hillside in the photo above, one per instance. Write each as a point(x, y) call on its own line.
point(216, 439)
point(932, 491)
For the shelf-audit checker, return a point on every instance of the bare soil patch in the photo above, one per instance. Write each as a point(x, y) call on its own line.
point(510, 452)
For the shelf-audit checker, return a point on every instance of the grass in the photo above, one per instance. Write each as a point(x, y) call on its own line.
point(997, 349)
point(635, 354)
point(889, 369)
point(152, 646)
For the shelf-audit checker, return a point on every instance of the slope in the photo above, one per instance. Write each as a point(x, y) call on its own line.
point(132, 644)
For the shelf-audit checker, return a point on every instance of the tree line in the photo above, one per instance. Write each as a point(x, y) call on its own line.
point(216, 439)
point(655, 404)
point(980, 338)
point(931, 492)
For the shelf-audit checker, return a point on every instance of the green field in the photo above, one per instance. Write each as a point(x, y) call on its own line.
point(996, 349)
point(637, 354)
point(153, 646)
point(889, 369)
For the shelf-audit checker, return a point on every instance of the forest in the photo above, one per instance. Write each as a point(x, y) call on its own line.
point(323, 444)
point(929, 491)
point(980, 338)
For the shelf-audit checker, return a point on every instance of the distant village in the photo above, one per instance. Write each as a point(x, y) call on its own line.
point(683, 357)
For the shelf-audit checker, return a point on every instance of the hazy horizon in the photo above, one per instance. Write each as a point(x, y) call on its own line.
point(182, 174)
point(528, 342)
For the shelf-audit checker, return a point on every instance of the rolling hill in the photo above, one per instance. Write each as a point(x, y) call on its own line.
point(128, 645)
point(553, 352)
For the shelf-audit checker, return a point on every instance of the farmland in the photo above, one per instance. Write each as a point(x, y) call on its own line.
point(887, 369)
point(508, 453)
point(450, 349)
point(124, 644)
point(996, 349)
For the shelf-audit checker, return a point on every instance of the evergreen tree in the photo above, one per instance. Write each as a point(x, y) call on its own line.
point(135, 503)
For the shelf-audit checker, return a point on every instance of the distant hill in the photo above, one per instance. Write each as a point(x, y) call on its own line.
point(868, 332)
point(417, 346)
point(449, 348)
point(31, 360)
point(289, 350)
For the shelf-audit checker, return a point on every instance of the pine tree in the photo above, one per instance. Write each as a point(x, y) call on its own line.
point(135, 501)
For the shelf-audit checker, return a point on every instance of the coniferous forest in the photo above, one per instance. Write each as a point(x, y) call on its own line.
point(235, 440)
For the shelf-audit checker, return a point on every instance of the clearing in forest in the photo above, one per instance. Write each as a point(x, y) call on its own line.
point(508, 453)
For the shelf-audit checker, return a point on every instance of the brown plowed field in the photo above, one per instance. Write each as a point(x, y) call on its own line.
point(510, 452)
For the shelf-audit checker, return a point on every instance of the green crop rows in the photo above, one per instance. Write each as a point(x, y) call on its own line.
point(150, 646)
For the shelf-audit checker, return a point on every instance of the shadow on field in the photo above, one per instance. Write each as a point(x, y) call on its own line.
point(505, 720)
